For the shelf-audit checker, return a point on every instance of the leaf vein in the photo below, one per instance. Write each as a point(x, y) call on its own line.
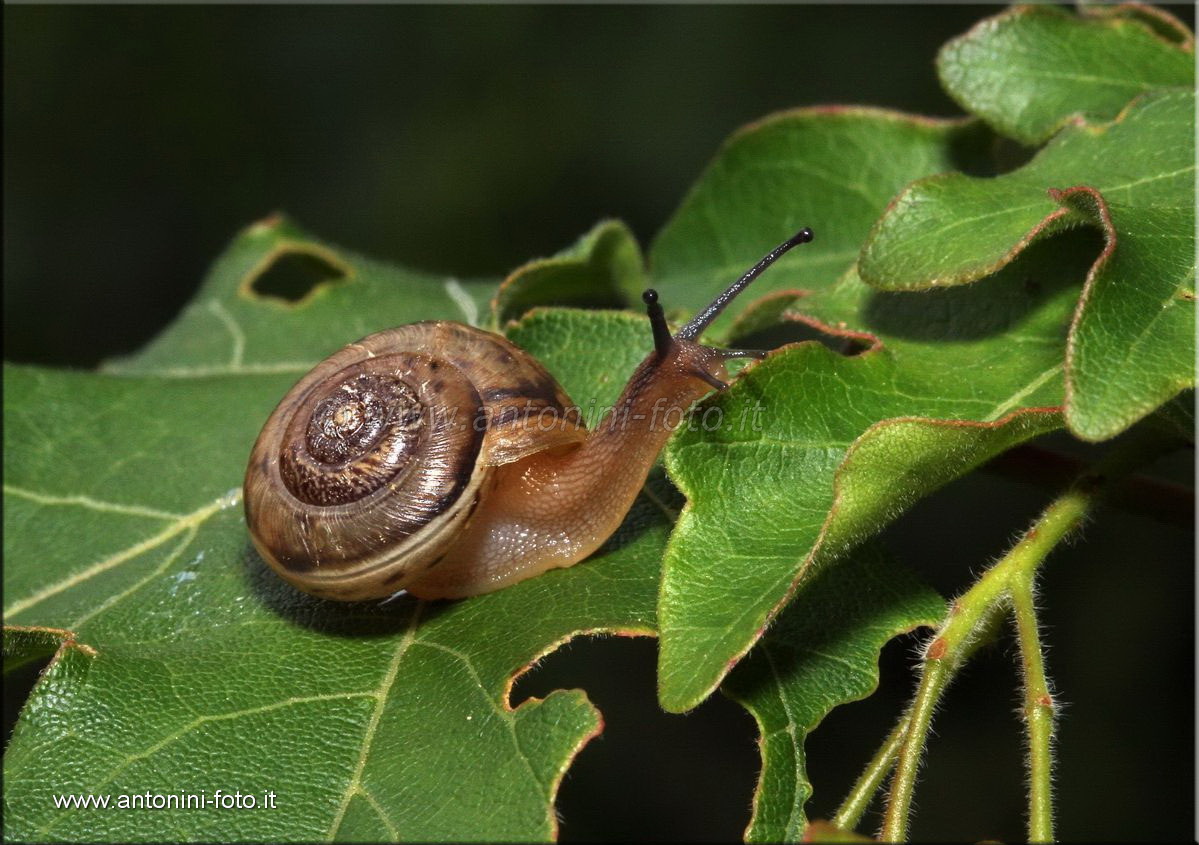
point(89, 503)
point(392, 830)
point(507, 716)
point(198, 722)
point(239, 338)
point(183, 523)
point(793, 823)
point(1005, 406)
point(380, 696)
point(189, 536)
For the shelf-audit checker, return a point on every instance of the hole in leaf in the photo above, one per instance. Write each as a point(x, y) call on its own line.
point(977, 151)
point(292, 275)
point(651, 775)
point(18, 683)
point(795, 331)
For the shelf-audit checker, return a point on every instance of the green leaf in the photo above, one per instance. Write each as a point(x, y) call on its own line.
point(604, 269)
point(833, 460)
point(561, 336)
point(232, 328)
point(1031, 69)
point(951, 379)
point(1158, 19)
point(833, 169)
point(822, 652)
point(953, 229)
point(1133, 336)
point(184, 665)
point(1133, 339)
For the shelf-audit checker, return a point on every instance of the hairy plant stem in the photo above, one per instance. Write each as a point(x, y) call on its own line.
point(850, 812)
point(1007, 584)
point(1038, 713)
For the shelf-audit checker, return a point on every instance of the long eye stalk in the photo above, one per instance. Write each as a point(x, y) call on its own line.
point(704, 318)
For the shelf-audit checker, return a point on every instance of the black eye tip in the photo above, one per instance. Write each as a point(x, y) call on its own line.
point(805, 235)
point(657, 321)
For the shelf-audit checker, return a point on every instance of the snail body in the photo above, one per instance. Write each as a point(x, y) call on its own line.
point(443, 460)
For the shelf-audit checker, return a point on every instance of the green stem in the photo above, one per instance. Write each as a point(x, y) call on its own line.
point(850, 813)
point(933, 680)
point(854, 806)
point(1038, 713)
point(973, 612)
point(1009, 583)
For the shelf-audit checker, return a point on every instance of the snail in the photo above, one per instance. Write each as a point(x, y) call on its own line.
point(443, 460)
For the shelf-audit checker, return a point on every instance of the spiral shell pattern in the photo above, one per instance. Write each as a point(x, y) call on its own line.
point(374, 461)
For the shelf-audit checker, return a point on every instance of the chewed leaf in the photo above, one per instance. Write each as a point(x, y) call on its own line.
point(822, 652)
point(604, 269)
point(240, 324)
point(179, 653)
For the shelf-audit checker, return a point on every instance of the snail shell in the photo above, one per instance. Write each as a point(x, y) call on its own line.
point(365, 473)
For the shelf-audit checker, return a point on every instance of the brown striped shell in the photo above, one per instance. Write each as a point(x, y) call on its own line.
point(373, 462)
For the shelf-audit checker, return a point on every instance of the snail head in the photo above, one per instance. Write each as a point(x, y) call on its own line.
point(667, 345)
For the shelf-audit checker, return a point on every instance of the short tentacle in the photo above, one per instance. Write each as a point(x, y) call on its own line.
point(711, 379)
point(657, 321)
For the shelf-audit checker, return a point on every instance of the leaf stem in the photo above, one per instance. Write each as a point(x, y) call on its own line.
point(945, 654)
point(850, 813)
point(1009, 583)
point(933, 680)
point(1038, 713)
point(854, 806)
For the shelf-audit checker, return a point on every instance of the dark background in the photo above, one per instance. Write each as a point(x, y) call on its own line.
point(469, 139)
point(463, 140)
